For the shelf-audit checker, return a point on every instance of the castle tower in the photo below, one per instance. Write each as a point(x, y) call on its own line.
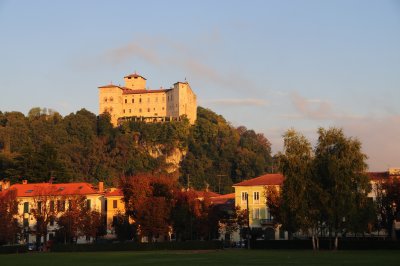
point(135, 82)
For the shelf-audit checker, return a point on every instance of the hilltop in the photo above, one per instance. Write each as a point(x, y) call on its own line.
point(84, 147)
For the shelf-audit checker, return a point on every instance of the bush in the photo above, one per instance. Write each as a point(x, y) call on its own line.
point(131, 246)
point(13, 249)
point(326, 243)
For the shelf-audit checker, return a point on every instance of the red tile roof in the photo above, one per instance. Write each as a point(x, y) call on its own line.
point(130, 91)
point(109, 86)
point(223, 199)
point(115, 193)
point(264, 180)
point(64, 189)
point(376, 176)
point(135, 76)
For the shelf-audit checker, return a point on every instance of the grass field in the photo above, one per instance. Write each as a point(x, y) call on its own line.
point(206, 258)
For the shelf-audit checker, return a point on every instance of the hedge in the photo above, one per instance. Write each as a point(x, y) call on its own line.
point(344, 244)
point(13, 249)
point(132, 246)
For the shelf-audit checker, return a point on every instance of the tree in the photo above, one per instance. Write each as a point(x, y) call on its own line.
point(124, 229)
point(44, 211)
point(387, 203)
point(69, 221)
point(296, 166)
point(340, 172)
point(148, 201)
point(9, 225)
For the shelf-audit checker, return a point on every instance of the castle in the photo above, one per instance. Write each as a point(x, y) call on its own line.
point(136, 102)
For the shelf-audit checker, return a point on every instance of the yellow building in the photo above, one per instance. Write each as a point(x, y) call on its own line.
point(114, 206)
point(136, 102)
point(56, 198)
point(251, 195)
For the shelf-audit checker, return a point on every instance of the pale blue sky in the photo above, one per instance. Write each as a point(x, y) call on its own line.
point(268, 65)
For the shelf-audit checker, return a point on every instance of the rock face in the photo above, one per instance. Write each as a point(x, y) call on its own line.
point(173, 157)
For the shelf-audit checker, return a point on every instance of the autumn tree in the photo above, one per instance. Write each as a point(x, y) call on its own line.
point(9, 225)
point(44, 211)
point(148, 201)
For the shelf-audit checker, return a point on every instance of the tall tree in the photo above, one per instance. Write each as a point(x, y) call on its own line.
point(296, 166)
point(340, 171)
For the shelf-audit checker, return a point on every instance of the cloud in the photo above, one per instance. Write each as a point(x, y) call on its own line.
point(165, 52)
point(238, 102)
point(315, 109)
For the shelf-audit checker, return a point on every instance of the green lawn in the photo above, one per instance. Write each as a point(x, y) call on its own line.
point(206, 258)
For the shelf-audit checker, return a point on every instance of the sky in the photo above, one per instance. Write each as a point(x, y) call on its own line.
point(267, 65)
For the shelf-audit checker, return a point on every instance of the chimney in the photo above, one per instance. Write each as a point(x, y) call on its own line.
point(101, 187)
point(24, 182)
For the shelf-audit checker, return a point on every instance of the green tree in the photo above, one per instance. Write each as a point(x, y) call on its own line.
point(340, 171)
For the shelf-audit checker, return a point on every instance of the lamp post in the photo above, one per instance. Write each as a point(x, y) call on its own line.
point(248, 220)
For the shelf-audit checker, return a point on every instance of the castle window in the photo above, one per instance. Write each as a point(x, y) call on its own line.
point(148, 110)
point(130, 111)
point(105, 99)
point(124, 111)
point(140, 100)
point(111, 109)
point(126, 100)
point(133, 100)
point(140, 110)
point(163, 108)
point(154, 109)
point(111, 99)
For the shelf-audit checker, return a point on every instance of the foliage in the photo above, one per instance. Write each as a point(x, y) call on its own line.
point(9, 225)
point(83, 147)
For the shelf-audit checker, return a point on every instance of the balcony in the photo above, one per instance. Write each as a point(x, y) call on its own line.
point(266, 221)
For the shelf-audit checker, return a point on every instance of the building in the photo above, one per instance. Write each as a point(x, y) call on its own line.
point(54, 198)
point(136, 102)
point(250, 194)
point(114, 206)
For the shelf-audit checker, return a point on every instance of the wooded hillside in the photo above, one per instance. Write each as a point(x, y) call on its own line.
point(84, 147)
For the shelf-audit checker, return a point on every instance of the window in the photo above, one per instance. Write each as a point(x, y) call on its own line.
point(105, 99)
point(244, 197)
point(256, 213)
point(140, 100)
point(163, 108)
point(130, 111)
point(115, 204)
point(26, 207)
point(126, 100)
point(133, 100)
point(140, 110)
point(88, 207)
point(60, 205)
point(148, 110)
point(26, 222)
point(52, 206)
point(123, 111)
point(111, 99)
point(256, 197)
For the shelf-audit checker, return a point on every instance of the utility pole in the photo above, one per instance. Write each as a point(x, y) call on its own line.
point(248, 220)
point(219, 183)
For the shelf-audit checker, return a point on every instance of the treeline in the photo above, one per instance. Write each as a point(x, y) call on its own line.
point(84, 147)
